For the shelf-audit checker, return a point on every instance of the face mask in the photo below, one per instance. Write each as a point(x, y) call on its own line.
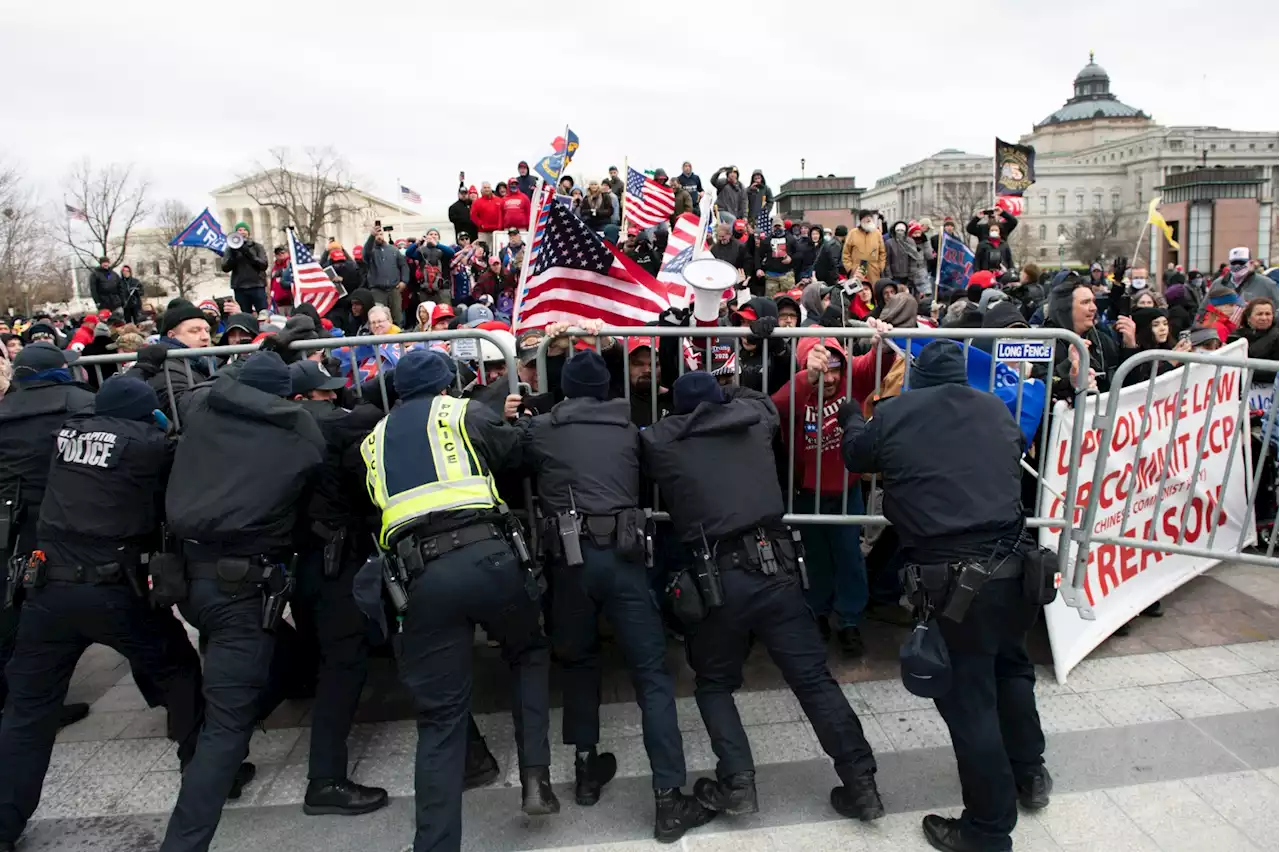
point(868, 226)
point(995, 233)
point(1138, 283)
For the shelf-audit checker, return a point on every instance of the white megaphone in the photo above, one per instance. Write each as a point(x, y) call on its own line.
point(235, 240)
point(709, 278)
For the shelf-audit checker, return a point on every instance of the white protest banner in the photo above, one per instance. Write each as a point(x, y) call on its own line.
point(1122, 581)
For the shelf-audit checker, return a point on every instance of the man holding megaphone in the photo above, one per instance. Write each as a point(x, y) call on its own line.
point(246, 260)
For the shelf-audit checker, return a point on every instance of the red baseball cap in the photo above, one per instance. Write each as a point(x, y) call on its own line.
point(105, 313)
point(493, 325)
point(442, 312)
point(983, 278)
point(357, 252)
point(634, 343)
point(786, 223)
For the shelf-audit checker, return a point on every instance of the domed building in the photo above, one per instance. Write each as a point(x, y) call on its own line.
point(1092, 116)
point(1099, 162)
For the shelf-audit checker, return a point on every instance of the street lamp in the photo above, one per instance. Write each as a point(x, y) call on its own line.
point(1062, 251)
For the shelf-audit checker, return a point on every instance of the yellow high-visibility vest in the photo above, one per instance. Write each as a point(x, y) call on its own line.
point(443, 466)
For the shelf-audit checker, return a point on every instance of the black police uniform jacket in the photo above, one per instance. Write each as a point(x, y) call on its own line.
point(714, 466)
point(241, 469)
point(30, 415)
point(971, 491)
point(105, 494)
point(587, 445)
point(340, 498)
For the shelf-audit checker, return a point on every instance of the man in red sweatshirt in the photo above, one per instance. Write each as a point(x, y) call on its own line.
point(515, 209)
point(837, 572)
point(486, 214)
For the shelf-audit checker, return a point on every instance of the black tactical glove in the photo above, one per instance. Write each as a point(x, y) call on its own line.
point(674, 316)
point(151, 358)
point(847, 413)
point(763, 327)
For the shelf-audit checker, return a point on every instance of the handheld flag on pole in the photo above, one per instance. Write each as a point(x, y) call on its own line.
point(1155, 218)
point(955, 264)
point(647, 202)
point(203, 232)
point(311, 285)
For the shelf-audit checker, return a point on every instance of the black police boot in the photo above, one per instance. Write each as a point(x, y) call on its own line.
point(244, 775)
point(72, 713)
point(591, 772)
point(947, 835)
point(851, 642)
point(538, 797)
point(341, 797)
point(482, 769)
point(735, 795)
point(1156, 610)
point(859, 799)
point(1034, 790)
point(676, 814)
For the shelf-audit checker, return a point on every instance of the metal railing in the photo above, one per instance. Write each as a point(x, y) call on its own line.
point(706, 337)
point(217, 357)
point(1086, 535)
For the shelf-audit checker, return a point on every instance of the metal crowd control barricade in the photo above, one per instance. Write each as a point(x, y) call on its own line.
point(1086, 535)
point(702, 339)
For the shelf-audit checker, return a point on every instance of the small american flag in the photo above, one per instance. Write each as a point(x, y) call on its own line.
point(76, 213)
point(764, 224)
point(310, 283)
point(576, 276)
point(409, 195)
point(647, 201)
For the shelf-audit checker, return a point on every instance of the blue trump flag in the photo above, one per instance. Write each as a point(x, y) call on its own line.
point(978, 368)
point(955, 264)
point(203, 232)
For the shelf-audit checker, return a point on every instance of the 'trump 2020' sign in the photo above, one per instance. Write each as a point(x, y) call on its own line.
point(1121, 581)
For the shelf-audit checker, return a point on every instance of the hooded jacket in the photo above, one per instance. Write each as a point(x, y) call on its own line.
point(906, 263)
point(527, 181)
point(731, 197)
point(945, 504)
point(1104, 354)
point(106, 289)
point(1143, 319)
point(859, 246)
point(515, 212)
point(826, 266)
point(774, 351)
point(460, 217)
point(715, 466)
point(735, 254)
point(486, 214)
point(217, 497)
point(809, 424)
point(758, 197)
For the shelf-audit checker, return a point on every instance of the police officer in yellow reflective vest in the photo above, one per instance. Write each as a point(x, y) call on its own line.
point(429, 470)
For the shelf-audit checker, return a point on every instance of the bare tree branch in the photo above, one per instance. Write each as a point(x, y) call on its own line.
point(27, 273)
point(1100, 236)
point(310, 192)
point(959, 200)
point(113, 200)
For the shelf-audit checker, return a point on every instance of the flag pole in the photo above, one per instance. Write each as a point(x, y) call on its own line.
point(622, 220)
point(293, 268)
point(522, 283)
point(1137, 246)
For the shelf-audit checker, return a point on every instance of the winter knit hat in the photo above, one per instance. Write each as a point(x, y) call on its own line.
point(1222, 295)
point(266, 372)
point(940, 362)
point(127, 398)
point(240, 225)
point(585, 374)
point(695, 388)
point(422, 372)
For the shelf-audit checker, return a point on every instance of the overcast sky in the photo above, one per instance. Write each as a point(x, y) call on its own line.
point(195, 92)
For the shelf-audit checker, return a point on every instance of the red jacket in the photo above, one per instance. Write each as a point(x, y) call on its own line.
point(486, 213)
point(84, 334)
point(804, 442)
point(515, 211)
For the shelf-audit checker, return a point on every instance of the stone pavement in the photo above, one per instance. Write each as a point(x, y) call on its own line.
point(1162, 740)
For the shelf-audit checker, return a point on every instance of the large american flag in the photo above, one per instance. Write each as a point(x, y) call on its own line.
point(575, 276)
point(647, 202)
point(310, 283)
point(679, 251)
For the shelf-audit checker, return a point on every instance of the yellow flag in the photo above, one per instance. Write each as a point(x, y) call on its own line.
point(1154, 218)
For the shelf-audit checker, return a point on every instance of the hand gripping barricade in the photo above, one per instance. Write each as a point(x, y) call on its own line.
point(686, 591)
point(170, 570)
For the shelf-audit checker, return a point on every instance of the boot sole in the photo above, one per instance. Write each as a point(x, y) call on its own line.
point(673, 836)
point(540, 810)
point(739, 811)
point(338, 810)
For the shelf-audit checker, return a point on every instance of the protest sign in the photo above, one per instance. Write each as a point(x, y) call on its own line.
point(1121, 581)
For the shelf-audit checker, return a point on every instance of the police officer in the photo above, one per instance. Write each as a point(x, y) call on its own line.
point(42, 398)
point(239, 477)
point(85, 584)
point(586, 454)
point(323, 607)
point(430, 464)
point(949, 509)
point(713, 462)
